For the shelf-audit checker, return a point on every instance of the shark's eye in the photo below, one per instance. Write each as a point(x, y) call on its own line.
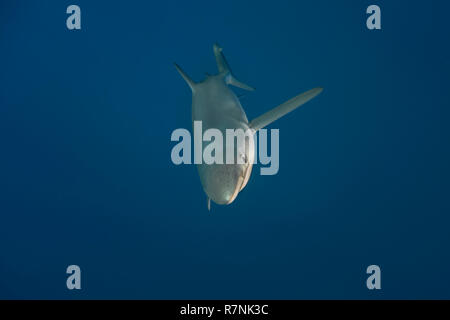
point(244, 158)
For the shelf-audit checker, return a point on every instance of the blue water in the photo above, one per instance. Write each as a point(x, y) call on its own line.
point(86, 176)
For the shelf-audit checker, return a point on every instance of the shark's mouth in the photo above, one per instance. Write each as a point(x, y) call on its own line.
point(242, 181)
point(236, 191)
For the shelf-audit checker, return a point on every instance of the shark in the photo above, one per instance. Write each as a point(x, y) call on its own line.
point(218, 107)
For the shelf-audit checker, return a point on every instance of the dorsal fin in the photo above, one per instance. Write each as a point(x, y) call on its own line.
point(189, 81)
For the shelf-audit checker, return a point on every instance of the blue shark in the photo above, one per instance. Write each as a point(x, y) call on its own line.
point(218, 107)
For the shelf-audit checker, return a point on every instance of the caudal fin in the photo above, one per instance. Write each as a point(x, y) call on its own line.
point(284, 108)
point(225, 69)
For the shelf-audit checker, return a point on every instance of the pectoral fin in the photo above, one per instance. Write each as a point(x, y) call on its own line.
point(290, 105)
point(186, 78)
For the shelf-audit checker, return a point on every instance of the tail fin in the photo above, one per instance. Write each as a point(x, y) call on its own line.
point(284, 108)
point(189, 81)
point(224, 68)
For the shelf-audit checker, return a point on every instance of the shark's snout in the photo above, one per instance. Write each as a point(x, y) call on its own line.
point(223, 182)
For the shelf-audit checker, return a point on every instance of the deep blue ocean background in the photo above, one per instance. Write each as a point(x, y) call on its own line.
point(86, 176)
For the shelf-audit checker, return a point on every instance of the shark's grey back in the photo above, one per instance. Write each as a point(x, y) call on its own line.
point(216, 105)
